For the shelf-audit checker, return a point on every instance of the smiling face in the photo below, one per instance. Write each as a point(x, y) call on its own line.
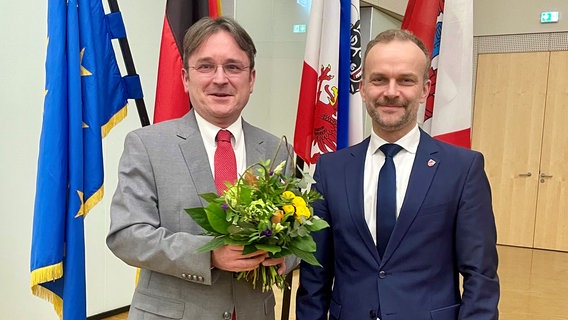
point(393, 86)
point(219, 97)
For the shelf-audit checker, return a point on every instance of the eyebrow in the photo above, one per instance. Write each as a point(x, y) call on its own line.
point(211, 60)
point(383, 74)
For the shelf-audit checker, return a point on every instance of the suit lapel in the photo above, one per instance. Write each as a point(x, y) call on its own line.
point(423, 170)
point(254, 144)
point(354, 173)
point(194, 155)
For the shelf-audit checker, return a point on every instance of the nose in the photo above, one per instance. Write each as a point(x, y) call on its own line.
point(392, 89)
point(219, 75)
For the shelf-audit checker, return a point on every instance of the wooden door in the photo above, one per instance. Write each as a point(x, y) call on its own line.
point(551, 230)
point(507, 128)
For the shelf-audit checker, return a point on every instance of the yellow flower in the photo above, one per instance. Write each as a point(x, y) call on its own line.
point(299, 202)
point(288, 195)
point(302, 211)
point(288, 208)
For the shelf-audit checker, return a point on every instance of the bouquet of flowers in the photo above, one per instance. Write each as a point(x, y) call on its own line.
point(264, 209)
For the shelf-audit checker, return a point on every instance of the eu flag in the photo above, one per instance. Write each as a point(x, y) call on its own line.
point(85, 97)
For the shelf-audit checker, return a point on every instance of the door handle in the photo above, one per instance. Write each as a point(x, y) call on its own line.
point(528, 174)
point(544, 176)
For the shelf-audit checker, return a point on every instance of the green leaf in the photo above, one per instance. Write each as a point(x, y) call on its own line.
point(282, 253)
point(305, 256)
point(245, 194)
point(213, 244)
point(269, 248)
point(317, 224)
point(302, 231)
point(305, 243)
point(200, 217)
point(247, 226)
point(249, 249)
point(210, 197)
point(241, 242)
point(217, 218)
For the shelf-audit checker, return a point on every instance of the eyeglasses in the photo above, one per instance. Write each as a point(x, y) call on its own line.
point(230, 69)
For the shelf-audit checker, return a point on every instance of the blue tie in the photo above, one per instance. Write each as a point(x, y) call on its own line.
point(386, 197)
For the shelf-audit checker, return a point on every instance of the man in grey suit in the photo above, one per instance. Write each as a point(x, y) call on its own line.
point(164, 168)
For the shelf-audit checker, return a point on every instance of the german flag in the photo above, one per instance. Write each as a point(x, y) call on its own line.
point(171, 100)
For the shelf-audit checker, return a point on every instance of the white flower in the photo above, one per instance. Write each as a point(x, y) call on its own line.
point(280, 167)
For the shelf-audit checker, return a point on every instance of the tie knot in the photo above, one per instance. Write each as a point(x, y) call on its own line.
point(223, 135)
point(390, 149)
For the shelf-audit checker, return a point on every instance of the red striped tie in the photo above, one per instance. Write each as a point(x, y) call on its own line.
point(225, 161)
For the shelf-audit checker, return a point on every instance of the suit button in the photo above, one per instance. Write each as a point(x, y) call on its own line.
point(373, 314)
point(183, 275)
point(200, 279)
point(382, 274)
point(226, 315)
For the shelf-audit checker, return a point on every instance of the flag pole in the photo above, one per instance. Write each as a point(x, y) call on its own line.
point(130, 69)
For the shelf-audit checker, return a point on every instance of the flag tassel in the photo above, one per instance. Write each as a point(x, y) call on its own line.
point(50, 297)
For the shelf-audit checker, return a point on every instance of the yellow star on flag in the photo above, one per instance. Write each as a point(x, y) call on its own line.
point(81, 211)
point(84, 71)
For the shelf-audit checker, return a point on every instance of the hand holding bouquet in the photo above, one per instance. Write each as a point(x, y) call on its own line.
point(264, 210)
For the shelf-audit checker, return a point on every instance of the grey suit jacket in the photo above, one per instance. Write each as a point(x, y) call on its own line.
point(163, 169)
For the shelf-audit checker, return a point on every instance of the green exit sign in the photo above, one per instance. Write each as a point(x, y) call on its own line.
point(549, 16)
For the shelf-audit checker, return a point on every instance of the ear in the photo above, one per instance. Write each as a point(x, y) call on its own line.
point(252, 77)
point(185, 80)
point(362, 91)
point(425, 91)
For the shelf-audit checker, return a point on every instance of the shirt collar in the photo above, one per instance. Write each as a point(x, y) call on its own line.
point(209, 130)
point(408, 142)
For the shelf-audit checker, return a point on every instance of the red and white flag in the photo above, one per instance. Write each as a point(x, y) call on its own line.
point(446, 28)
point(330, 114)
point(171, 99)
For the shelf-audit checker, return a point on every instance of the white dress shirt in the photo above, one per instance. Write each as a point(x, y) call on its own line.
point(208, 134)
point(374, 160)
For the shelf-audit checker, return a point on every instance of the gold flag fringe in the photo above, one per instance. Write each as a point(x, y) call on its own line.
point(98, 195)
point(54, 299)
point(93, 200)
point(118, 116)
point(46, 274)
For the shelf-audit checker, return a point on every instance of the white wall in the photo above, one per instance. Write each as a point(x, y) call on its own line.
point(279, 59)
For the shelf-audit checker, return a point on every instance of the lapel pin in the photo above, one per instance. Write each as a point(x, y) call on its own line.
point(431, 163)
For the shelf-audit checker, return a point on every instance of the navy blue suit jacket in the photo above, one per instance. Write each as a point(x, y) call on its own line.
point(445, 228)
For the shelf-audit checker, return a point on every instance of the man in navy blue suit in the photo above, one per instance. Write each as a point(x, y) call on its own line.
point(443, 223)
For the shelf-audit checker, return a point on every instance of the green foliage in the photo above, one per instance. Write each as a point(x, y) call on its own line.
point(264, 210)
point(200, 217)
